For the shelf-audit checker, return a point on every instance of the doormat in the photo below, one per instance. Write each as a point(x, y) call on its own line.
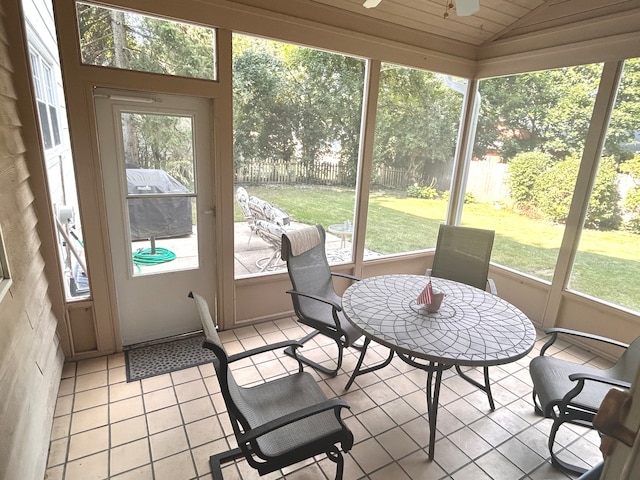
point(151, 360)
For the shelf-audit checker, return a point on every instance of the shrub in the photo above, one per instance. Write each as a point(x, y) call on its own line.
point(524, 169)
point(416, 191)
point(553, 192)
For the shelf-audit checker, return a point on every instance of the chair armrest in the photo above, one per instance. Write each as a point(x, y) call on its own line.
point(492, 286)
point(597, 378)
point(333, 404)
point(345, 275)
point(316, 297)
point(265, 348)
point(555, 331)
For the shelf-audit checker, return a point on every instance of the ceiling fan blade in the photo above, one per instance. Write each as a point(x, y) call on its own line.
point(371, 3)
point(464, 8)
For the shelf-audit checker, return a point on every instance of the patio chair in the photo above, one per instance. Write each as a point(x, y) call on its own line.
point(463, 255)
point(569, 392)
point(279, 422)
point(314, 298)
point(242, 197)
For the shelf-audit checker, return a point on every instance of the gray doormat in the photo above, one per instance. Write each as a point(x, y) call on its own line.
point(151, 360)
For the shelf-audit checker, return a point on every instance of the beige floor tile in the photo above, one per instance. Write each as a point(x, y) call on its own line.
point(120, 391)
point(128, 430)
point(190, 390)
point(88, 443)
point(89, 419)
point(204, 431)
point(521, 455)
point(129, 456)
point(128, 408)
point(142, 473)
point(202, 453)
point(54, 473)
point(397, 443)
point(69, 370)
point(60, 427)
point(376, 421)
point(167, 443)
point(370, 455)
point(498, 466)
point(197, 409)
point(116, 360)
point(93, 467)
point(64, 405)
point(164, 419)
point(57, 452)
point(156, 383)
point(91, 380)
point(176, 467)
point(449, 456)
point(207, 370)
point(185, 375)
point(90, 398)
point(159, 399)
point(419, 467)
point(470, 442)
point(67, 386)
point(117, 375)
point(470, 472)
point(91, 365)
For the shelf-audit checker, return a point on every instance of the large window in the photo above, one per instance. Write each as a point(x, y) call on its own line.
point(416, 131)
point(530, 137)
point(45, 89)
point(296, 136)
point(131, 41)
point(606, 264)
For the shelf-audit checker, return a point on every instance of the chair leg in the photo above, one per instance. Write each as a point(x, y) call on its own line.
point(485, 388)
point(336, 457)
point(311, 363)
point(216, 460)
point(561, 464)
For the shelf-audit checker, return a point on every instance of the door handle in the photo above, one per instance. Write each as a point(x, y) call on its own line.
point(211, 211)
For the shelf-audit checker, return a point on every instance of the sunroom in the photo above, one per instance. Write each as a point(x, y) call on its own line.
point(379, 124)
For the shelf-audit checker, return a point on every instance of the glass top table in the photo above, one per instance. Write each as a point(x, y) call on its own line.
point(471, 328)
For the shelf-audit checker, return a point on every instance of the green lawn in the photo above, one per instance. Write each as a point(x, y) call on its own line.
point(607, 265)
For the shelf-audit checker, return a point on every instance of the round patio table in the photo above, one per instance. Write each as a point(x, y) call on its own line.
point(471, 328)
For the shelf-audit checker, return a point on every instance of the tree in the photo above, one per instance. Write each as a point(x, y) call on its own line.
point(417, 123)
point(632, 200)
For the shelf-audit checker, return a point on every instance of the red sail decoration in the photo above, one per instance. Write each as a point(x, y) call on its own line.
point(426, 296)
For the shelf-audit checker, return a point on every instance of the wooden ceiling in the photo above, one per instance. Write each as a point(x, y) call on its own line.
point(496, 19)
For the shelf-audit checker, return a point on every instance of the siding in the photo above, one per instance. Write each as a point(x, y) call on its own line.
point(30, 354)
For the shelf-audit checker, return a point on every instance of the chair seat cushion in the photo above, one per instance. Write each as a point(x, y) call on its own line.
point(271, 400)
point(551, 382)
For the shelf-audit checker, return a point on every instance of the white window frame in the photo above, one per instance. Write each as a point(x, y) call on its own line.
point(45, 94)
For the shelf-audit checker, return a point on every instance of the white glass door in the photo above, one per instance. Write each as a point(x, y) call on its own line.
point(155, 154)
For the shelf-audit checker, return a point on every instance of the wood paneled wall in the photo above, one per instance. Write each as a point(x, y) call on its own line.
point(30, 355)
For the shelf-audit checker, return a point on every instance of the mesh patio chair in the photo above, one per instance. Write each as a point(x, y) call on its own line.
point(314, 298)
point(569, 392)
point(279, 422)
point(463, 254)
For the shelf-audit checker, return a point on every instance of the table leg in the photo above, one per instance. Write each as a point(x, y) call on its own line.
point(432, 403)
point(358, 372)
point(485, 388)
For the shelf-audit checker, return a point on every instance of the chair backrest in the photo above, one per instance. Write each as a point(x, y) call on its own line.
point(309, 271)
point(242, 196)
point(232, 393)
point(626, 367)
point(463, 254)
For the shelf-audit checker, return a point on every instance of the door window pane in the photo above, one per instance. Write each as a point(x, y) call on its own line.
point(132, 41)
point(160, 194)
point(530, 136)
point(296, 136)
point(415, 140)
point(606, 264)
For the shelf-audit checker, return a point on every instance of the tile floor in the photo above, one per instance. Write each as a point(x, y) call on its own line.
point(165, 427)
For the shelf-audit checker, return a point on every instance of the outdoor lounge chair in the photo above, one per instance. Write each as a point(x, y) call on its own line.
point(571, 392)
point(314, 298)
point(463, 254)
point(279, 422)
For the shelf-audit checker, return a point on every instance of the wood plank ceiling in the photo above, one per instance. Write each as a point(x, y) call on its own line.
point(496, 19)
